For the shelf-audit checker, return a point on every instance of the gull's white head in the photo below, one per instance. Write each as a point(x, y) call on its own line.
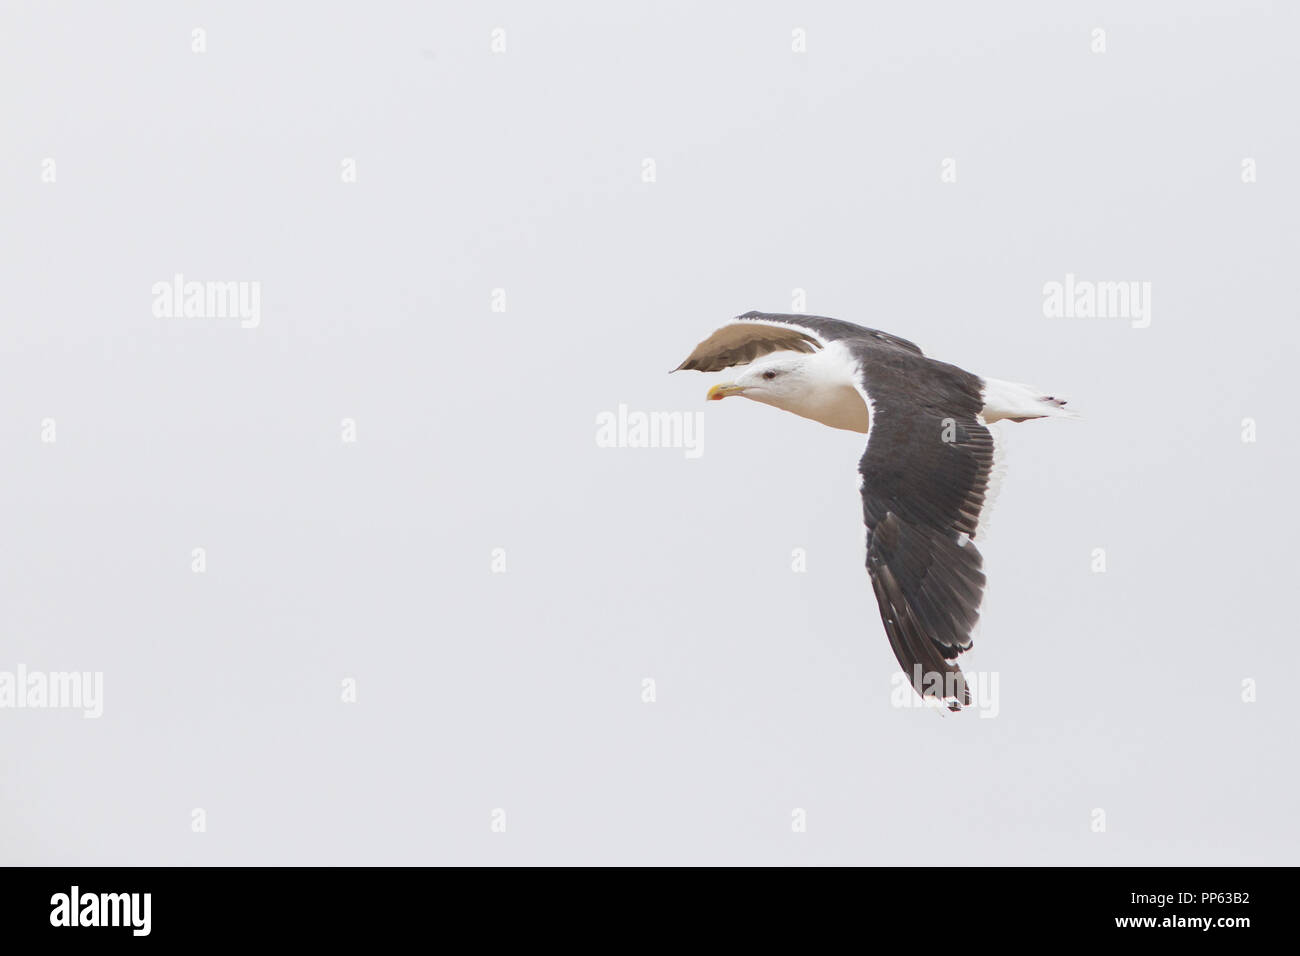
point(781, 381)
point(819, 386)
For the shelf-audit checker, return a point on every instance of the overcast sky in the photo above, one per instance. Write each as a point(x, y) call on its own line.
point(390, 475)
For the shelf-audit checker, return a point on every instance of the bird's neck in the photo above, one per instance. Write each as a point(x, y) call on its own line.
point(832, 403)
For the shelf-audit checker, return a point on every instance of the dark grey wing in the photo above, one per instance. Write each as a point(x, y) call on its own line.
point(830, 330)
point(756, 334)
point(924, 477)
point(742, 342)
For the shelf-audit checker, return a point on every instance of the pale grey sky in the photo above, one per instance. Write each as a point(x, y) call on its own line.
point(475, 430)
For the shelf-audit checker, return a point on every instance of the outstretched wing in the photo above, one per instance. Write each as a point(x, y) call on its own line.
point(924, 473)
point(756, 334)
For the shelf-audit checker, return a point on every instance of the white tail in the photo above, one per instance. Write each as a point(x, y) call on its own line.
point(1019, 403)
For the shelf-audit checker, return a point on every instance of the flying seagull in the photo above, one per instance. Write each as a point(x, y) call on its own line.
point(925, 475)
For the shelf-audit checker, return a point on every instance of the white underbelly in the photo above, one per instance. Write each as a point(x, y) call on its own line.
point(839, 408)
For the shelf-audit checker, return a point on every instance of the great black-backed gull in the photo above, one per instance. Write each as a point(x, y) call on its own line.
point(924, 477)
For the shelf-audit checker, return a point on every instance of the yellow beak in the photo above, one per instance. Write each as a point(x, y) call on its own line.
point(718, 392)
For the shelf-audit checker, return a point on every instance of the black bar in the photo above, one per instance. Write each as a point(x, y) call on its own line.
point(931, 906)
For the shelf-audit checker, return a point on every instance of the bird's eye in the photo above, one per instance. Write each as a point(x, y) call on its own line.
point(769, 374)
